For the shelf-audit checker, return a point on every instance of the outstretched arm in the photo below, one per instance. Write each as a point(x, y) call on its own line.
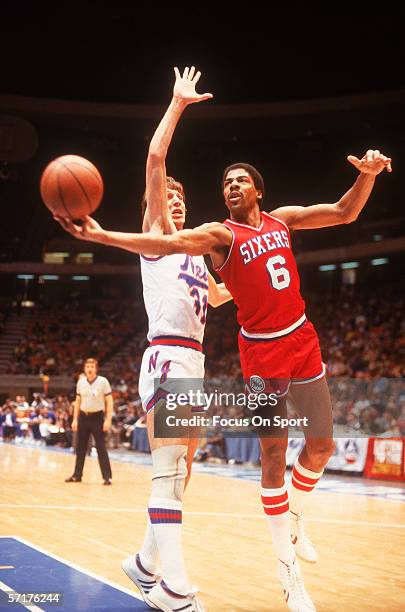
point(218, 294)
point(157, 217)
point(210, 238)
point(348, 208)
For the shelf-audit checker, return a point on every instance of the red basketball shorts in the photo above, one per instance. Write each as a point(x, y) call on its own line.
point(291, 359)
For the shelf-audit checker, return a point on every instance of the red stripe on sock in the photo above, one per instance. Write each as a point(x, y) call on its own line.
point(165, 515)
point(302, 487)
point(277, 499)
point(310, 481)
point(277, 510)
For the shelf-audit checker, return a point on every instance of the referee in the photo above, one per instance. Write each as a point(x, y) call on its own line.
point(92, 415)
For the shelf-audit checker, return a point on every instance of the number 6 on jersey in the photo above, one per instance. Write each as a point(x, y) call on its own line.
point(279, 277)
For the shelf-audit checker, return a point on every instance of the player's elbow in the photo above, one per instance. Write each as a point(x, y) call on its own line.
point(349, 218)
point(155, 156)
point(345, 215)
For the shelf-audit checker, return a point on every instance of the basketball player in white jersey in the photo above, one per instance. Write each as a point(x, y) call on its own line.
point(177, 290)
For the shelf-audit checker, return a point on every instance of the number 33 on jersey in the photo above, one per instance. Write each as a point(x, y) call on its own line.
point(175, 290)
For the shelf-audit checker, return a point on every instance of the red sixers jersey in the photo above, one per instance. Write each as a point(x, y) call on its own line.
point(261, 274)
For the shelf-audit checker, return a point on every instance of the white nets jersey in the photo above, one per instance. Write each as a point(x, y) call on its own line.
point(175, 291)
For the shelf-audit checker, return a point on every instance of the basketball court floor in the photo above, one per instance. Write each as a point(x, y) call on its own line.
point(69, 539)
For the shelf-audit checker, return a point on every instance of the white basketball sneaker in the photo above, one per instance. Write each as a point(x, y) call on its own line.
point(303, 546)
point(292, 583)
point(145, 581)
point(165, 599)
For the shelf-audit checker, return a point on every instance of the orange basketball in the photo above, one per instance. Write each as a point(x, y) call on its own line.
point(71, 186)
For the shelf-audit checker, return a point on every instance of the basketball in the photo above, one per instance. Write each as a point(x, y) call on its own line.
point(71, 186)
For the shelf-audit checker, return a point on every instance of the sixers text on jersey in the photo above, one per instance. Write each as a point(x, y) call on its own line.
point(261, 274)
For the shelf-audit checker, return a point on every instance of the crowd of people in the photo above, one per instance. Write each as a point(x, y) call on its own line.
point(58, 335)
point(47, 420)
point(362, 336)
point(362, 332)
point(37, 421)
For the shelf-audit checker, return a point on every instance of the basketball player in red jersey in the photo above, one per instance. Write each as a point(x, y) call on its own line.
point(252, 253)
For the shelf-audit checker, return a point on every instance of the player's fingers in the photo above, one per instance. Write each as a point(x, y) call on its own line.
point(206, 96)
point(185, 72)
point(388, 164)
point(369, 156)
point(354, 160)
point(177, 73)
point(197, 77)
point(71, 227)
point(74, 229)
point(191, 73)
point(386, 161)
point(61, 221)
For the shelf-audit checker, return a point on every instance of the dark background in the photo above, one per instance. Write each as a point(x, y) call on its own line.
point(84, 51)
point(81, 52)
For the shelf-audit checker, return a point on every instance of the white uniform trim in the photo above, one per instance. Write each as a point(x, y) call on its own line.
point(251, 227)
point(308, 380)
point(276, 218)
point(230, 249)
point(277, 334)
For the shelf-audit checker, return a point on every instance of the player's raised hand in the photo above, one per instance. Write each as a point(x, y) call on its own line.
point(89, 230)
point(184, 87)
point(373, 162)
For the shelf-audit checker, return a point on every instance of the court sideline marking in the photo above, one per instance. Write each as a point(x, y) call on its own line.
point(110, 583)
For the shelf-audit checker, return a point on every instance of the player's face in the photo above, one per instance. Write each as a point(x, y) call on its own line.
point(90, 369)
point(177, 207)
point(240, 192)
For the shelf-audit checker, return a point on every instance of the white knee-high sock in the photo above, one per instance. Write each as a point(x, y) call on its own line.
point(275, 505)
point(166, 519)
point(303, 481)
point(149, 554)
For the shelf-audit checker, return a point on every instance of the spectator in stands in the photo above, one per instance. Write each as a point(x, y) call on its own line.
point(22, 410)
point(34, 424)
point(9, 422)
point(401, 422)
point(215, 444)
